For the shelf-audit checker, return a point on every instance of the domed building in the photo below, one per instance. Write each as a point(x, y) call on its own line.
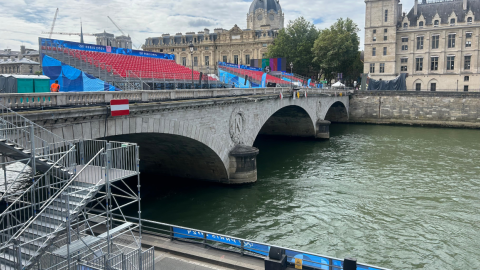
point(265, 14)
point(236, 46)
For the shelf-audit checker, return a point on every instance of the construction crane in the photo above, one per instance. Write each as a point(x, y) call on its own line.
point(68, 34)
point(120, 30)
point(53, 23)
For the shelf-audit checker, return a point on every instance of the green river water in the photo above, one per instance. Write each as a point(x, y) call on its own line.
point(396, 197)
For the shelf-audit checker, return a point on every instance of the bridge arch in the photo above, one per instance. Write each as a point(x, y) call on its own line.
point(291, 121)
point(337, 112)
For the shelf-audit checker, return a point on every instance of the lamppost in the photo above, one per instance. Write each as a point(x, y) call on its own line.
point(191, 53)
point(291, 70)
point(208, 79)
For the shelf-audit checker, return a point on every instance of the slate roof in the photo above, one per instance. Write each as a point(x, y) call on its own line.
point(16, 61)
point(444, 10)
point(266, 5)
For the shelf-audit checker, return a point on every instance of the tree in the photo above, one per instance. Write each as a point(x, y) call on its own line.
point(336, 49)
point(295, 43)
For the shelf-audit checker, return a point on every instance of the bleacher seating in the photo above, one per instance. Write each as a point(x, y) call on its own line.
point(136, 66)
point(255, 76)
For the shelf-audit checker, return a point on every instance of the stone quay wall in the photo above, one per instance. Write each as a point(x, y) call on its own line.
point(442, 109)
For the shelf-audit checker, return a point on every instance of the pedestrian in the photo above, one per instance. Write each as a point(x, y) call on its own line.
point(55, 87)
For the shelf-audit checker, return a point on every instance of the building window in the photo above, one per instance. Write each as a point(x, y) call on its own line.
point(224, 59)
point(235, 59)
point(419, 43)
point(451, 40)
point(184, 61)
point(183, 49)
point(465, 88)
point(172, 50)
point(385, 37)
point(195, 61)
point(374, 51)
point(434, 63)
point(450, 62)
point(466, 78)
point(468, 59)
point(433, 87)
point(386, 15)
point(374, 38)
point(436, 23)
point(419, 64)
point(372, 68)
point(374, 31)
point(420, 24)
point(405, 25)
point(385, 30)
point(468, 44)
point(404, 39)
point(207, 48)
point(403, 68)
point(404, 62)
point(452, 21)
point(207, 60)
point(247, 59)
point(263, 55)
point(404, 47)
point(384, 50)
point(264, 44)
point(469, 20)
point(418, 87)
point(468, 35)
point(382, 67)
point(435, 42)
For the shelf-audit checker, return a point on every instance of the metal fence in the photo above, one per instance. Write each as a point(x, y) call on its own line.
point(241, 246)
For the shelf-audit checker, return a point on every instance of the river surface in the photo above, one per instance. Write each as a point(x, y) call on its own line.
point(396, 197)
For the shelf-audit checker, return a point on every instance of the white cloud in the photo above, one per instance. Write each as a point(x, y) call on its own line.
point(26, 19)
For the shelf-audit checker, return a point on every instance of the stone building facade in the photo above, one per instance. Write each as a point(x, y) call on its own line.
point(238, 46)
point(436, 43)
point(23, 62)
point(107, 39)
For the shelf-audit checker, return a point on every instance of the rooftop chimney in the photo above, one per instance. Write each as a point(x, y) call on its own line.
point(464, 4)
point(415, 8)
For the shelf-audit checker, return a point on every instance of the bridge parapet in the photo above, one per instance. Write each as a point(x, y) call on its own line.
point(41, 100)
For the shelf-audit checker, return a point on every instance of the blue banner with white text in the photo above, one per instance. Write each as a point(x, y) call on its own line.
point(253, 247)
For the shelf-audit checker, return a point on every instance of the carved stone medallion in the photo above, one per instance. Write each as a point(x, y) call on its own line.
point(237, 125)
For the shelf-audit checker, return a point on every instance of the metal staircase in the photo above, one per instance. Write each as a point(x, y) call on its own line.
point(47, 204)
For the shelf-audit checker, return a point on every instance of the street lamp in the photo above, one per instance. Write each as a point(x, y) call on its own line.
point(191, 53)
point(208, 79)
point(291, 70)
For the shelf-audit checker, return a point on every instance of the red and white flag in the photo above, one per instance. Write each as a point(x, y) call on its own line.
point(281, 95)
point(305, 93)
point(119, 107)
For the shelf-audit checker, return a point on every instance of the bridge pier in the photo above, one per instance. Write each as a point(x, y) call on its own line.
point(243, 164)
point(322, 129)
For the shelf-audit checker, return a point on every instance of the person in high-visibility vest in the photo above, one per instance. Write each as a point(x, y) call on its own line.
point(55, 87)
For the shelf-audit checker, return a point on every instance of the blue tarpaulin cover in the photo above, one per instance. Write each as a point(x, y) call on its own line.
point(71, 79)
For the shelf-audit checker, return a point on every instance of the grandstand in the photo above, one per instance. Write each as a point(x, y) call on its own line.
point(129, 72)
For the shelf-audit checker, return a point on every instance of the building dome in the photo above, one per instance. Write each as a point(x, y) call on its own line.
point(266, 5)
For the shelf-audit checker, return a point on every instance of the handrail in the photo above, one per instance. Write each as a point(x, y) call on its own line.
point(44, 206)
point(236, 238)
point(32, 186)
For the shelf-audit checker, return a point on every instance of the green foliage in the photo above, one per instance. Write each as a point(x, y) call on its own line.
point(295, 43)
point(38, 73)
point(336, 50)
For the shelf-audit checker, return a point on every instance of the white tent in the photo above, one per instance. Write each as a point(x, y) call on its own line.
point(338, 84)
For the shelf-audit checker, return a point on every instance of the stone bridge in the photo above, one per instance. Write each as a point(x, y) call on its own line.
point(207, 136)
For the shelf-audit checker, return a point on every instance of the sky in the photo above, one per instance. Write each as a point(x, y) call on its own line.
point(22, 21)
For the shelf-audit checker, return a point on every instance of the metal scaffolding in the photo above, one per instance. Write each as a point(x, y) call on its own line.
point(59, 197)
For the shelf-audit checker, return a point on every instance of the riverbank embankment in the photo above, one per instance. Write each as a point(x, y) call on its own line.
point(439, 109)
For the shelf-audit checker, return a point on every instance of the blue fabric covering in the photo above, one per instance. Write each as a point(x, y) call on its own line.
point(264, 80)
point(72, 79)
